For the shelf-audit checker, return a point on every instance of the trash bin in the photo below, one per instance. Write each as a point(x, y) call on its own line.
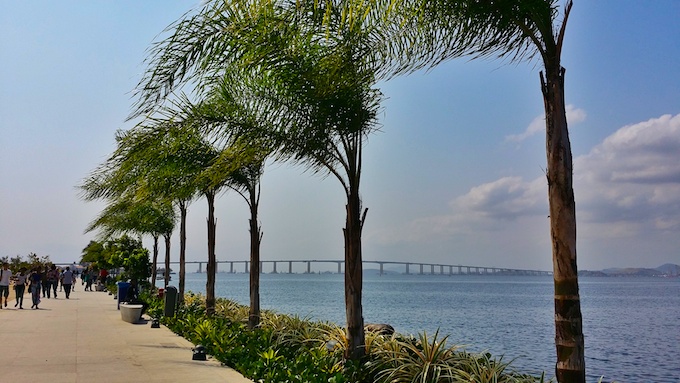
point(170, 300)
point(123, 288)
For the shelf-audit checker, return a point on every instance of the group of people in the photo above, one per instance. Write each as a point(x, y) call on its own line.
point(89, 276)
point(40, 282)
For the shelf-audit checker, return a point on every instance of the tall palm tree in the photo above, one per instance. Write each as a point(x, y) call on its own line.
point(232, 113)
point(319, 87)
point(418, 34)
point(247, 164)
point(334, 110)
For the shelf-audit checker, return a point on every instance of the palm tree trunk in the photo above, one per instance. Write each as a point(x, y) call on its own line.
point(155, 261)
point(212, 259)
point(182, 249)
point(255, 240)
point(354, 275)
point(167, 260)
point(570, 366)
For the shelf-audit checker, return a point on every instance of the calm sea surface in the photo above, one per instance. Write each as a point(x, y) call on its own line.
point(631, 325)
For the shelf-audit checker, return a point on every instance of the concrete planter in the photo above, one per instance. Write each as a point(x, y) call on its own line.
point(130, 313)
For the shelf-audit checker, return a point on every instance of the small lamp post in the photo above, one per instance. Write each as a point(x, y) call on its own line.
point(199, 353)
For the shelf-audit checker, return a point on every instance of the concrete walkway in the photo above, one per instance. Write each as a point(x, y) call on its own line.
point(83, 340)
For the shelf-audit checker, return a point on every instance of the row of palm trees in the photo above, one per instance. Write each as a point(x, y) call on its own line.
point(295, 80)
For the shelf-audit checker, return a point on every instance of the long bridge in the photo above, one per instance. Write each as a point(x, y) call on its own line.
point(420, 268)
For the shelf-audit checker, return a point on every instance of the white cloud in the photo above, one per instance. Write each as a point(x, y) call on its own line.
point(506, 198)
point(627, 187)
point(489, 207)
point(646, 152)
point(633, 177)
point(537, 125)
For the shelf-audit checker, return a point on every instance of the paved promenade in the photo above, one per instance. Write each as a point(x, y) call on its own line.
point(83, 340)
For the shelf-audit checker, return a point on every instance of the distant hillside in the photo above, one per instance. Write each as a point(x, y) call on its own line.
point(667, 270)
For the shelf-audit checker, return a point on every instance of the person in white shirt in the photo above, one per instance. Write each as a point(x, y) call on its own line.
point(67, 281)
point(5, 275)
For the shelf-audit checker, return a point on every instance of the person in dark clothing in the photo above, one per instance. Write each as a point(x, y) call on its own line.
point(36, 285)
point(20, 287)
point(53, 279)
point(45, 281)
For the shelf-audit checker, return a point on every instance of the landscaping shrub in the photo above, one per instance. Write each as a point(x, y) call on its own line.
point(297, 350)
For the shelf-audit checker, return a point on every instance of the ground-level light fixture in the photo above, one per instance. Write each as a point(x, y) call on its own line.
point(199, 353)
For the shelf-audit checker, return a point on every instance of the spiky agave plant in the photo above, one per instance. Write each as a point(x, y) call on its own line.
point(481, 368)
point(408, 360)
point(293, 330)
point(235, 312)
point(423, 360)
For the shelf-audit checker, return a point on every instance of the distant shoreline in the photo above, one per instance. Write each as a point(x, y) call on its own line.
point(667, 270)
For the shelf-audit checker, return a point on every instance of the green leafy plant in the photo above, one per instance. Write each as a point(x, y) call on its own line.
point(295, 349)
point(420, 360)
point(153, 302)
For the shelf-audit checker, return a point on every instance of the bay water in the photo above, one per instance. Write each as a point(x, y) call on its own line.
point(631, 325)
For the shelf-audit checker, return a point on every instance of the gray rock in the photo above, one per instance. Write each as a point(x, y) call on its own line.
point(379, 328)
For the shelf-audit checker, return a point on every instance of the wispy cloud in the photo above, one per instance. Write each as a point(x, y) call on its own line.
point(537, 125)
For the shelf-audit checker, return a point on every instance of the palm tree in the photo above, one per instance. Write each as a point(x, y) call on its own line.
point(335, 108)
point(172, 165)
point(238, 166)
point(124, 177)
point(182, 156)
point(320, 90)
point(140, 217)
point(423, 33)
point(231, 112)
point(248, 164)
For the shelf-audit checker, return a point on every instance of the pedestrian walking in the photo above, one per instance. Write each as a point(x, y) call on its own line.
point(75, 279)
point(86, 278)
point(35, 287)
point(45, 282)
point(5, 276)
point(67, 281)
point(20, 287)
point(53, 280)
point(92, 276)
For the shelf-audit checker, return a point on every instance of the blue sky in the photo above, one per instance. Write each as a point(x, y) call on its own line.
point(455, 176)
